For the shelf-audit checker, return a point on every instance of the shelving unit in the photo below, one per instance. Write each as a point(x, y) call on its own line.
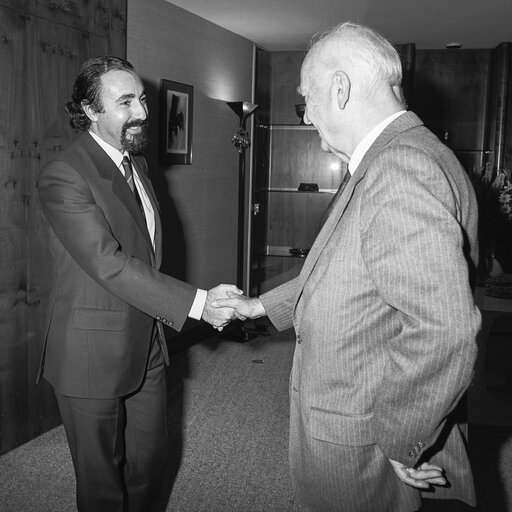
point(294, 190)
point(285, 220)
point(293, 217)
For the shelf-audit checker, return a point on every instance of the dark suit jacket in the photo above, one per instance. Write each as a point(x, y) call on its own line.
point(386, 327)
point(107, 290)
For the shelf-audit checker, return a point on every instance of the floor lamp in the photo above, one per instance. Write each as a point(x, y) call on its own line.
point(242, 141)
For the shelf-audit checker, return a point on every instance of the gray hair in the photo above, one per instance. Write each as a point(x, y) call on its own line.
point(368, 54)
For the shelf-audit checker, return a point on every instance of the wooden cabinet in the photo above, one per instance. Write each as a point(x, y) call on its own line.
point(293, 217)
point(499, 118)
point(285, 220)
point(463, 96)
point(450, 94)
point(294, 214)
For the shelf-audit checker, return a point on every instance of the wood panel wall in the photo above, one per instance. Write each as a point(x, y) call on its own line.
point(451, 88)
point(464, 97)
point(501, 106)
point(42, 46)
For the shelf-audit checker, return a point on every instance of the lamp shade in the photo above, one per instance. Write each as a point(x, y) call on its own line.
point(242, 109)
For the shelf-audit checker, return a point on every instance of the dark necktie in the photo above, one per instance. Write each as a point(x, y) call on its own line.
point(128, 174)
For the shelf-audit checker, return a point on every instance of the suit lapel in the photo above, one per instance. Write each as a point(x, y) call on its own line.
point(109, 172)
point(328, 229)
point(404, 122)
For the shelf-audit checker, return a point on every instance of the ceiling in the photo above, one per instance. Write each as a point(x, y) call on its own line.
point(282, 25)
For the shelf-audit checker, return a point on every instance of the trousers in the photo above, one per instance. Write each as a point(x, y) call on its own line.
point(119, 446)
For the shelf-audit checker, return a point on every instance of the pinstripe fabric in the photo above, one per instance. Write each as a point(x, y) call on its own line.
point(386, 328)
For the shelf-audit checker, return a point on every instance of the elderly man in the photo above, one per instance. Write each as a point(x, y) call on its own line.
point(383, 311)
point(105, 348)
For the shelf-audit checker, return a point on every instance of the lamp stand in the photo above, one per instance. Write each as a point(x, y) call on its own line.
point(241, 221)
point(236, 331)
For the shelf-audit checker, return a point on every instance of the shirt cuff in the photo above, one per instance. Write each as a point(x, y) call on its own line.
point(196, 311)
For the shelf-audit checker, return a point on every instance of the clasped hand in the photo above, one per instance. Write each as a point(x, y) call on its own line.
point(243, 307)
point(226, 302)
point(220, 316)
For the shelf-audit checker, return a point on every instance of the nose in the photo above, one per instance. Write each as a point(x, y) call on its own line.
point(139, 110)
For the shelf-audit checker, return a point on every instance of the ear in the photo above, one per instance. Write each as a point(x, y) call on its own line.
point(341, 85)
point(89, 112)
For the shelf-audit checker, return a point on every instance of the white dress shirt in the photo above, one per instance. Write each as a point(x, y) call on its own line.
point(117, 156)
point(368, 140)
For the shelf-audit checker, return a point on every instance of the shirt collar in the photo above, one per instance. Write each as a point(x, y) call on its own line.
point(115, 155)
point(369, 139)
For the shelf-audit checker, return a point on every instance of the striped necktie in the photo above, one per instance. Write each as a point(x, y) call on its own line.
point(128, 174)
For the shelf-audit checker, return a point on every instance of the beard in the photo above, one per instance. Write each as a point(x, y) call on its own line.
point(135, 142)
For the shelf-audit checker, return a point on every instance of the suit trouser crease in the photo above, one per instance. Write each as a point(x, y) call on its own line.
point(118, 446)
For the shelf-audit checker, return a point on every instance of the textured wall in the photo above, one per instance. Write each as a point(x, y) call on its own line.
point(199, 201)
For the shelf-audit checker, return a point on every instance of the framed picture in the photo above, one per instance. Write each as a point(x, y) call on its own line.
point(176, 116)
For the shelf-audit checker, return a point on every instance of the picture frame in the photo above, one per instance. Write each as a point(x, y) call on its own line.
point(176, 122)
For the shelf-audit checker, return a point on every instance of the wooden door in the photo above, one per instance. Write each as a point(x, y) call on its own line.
point(58, 54)
point(14, 307)
point(39, 59)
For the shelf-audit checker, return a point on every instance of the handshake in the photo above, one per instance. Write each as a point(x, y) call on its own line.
point(226, 302)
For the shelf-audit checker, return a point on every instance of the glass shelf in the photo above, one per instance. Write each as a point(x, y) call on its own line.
point(300, 127)
point(294, 190)
point(285, 251)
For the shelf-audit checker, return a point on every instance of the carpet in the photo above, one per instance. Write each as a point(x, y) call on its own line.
point(228, 422)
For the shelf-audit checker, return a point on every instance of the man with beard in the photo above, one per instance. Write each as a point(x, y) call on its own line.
point(104, 349)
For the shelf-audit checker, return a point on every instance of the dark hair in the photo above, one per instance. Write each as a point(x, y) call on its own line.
point(87, 88)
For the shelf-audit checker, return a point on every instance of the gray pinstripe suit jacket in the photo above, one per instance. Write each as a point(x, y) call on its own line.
point(386, 325)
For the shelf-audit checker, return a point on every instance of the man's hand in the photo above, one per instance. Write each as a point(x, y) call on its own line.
point(421, 478)
point(244, 307)
point(217, 316)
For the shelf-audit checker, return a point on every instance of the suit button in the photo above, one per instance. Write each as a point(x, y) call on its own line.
point(170, 322)
point(158, 317)
point(299, 339)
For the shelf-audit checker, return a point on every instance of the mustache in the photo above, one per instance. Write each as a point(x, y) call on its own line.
point(132, 124)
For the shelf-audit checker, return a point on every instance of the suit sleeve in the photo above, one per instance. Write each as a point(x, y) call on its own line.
point(84, 232)
point(279, 304)
point(412, 246)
